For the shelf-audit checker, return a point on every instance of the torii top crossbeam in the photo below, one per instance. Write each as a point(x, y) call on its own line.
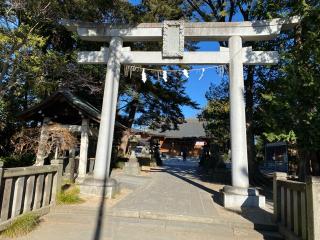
point(173, 34)
point(194, 31)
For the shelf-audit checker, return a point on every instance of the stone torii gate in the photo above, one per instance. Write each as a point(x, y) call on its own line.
point(173, 34)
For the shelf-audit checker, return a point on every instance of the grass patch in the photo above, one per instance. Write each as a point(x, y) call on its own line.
point(120, 165)
point(69, 195)
point(22, 225)
point(67, 182)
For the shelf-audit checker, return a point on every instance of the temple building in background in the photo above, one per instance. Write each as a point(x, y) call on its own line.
point(190, 137)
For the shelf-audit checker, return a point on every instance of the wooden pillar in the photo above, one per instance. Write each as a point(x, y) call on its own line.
point(72, 153)
point(1, 174)
point(57, 179)
point(84, 145)
point(277, 195)
point(313, 207)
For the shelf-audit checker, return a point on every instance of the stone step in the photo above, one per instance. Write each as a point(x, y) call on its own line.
point(162, 228)
point(85, 214)
point(187, 218)
point(188, 230)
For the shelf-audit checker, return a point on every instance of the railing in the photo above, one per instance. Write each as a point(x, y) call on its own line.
point(274, 166)
point(28, 189)
point(296, 207)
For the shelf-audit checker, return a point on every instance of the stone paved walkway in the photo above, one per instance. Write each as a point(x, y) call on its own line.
point(169, 203)
point(170, 193)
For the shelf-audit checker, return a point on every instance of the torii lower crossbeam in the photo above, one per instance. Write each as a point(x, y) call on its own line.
point(248, 57)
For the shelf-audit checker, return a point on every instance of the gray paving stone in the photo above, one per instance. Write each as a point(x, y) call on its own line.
point(169, 205)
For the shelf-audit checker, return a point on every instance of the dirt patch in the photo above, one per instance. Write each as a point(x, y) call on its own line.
point(92, 201)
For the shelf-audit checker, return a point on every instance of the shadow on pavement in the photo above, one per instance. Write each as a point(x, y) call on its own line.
point(261, 219)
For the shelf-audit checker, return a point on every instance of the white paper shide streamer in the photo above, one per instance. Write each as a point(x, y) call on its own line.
point(202, 73)
point(144, 75)
point(221, 71)
point(129, 69)
point(165, 76)
point(185, 73)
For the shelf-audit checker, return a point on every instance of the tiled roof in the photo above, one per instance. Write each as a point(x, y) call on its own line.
point(191, 128)
point(85, 107)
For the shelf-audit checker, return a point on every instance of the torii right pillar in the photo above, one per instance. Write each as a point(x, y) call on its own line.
point(239, 195)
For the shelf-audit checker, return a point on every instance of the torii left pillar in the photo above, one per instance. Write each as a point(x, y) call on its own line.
point(100, 183)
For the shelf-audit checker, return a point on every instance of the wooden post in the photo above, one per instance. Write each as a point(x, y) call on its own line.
point(30, 184)
point(1, 174)
point(1, 182)
point(277, 195)
point(84, 145)
point(313, 207)
point(296, 208)
point(72, 156)
point(5, 207)
point(41, 153)
point(17, 197)
point(289, 212)
point(57, 179)
point(303, 216)
point(38, 197)
point(47, 189)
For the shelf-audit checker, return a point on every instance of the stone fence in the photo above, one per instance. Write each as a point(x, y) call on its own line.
point(297, 207)
point(28, 189)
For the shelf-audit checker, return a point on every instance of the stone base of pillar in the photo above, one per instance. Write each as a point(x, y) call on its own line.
point(236, 198)
point(132, 168)
point(99, 188)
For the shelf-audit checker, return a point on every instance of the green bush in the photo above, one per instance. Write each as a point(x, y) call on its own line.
point(69, 195)
point(22, 225)
point(120, 165)
point(18, 160)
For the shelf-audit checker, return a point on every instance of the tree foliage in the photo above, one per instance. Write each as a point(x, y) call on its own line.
point(216, 115)
point(38, 56)
point(290, 103)
point(27, 140)
point(282, 101)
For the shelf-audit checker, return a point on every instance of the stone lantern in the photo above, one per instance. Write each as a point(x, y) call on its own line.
point(133, 141)
point(132, 167)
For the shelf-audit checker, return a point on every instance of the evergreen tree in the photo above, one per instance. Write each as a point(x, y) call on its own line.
point(38, 57)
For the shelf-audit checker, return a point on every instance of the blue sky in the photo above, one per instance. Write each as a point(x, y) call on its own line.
point(196, 88)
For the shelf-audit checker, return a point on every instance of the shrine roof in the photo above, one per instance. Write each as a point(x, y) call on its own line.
point(65, 106)
point(192, 128)
point(56, 99)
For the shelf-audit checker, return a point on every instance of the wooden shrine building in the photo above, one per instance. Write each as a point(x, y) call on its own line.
point(77, 115)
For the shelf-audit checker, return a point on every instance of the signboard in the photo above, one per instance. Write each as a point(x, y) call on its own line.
point(173, 39)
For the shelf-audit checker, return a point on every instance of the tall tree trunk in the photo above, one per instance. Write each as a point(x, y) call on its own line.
point(249, 84)
point(124, 141)
point(302, 165)
point(314, 162)
point(128, 123)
